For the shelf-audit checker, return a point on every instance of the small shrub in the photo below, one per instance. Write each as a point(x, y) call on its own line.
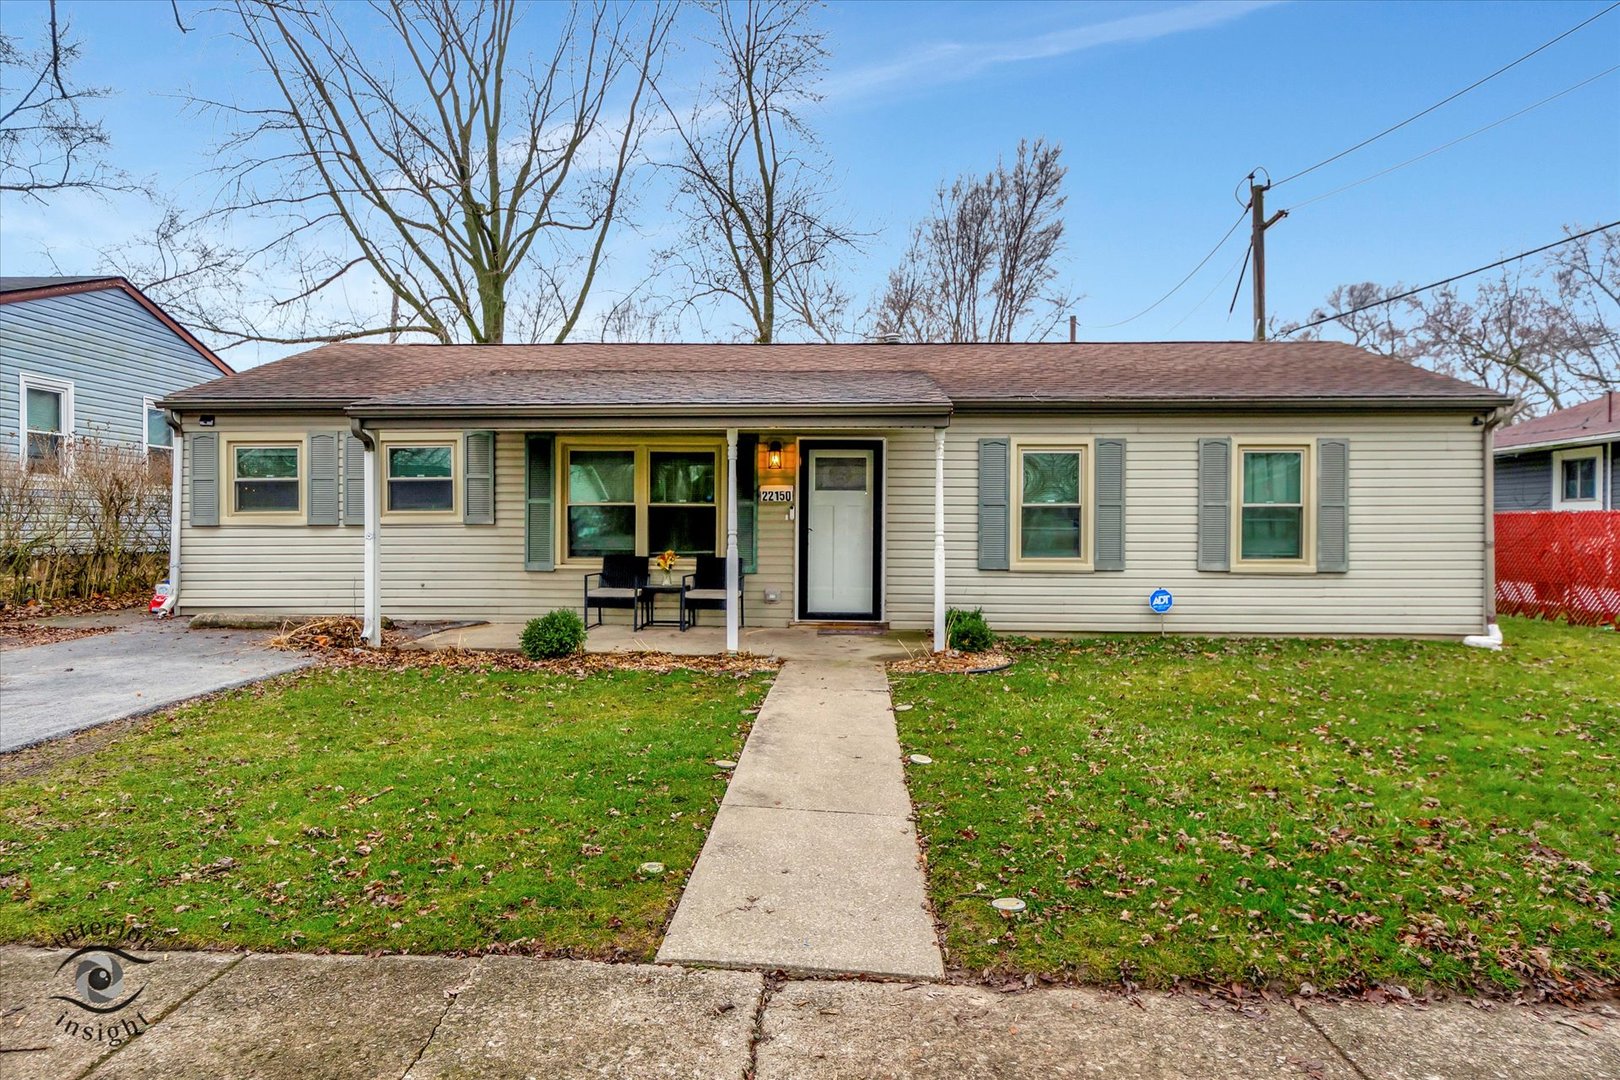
point(561, 633)
point(967, 631)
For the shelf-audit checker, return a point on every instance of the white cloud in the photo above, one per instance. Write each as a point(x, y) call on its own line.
point(952, 61)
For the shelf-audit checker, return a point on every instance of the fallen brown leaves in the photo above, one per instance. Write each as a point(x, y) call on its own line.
point(393, 657)
point(949, 663)
point(27, 635)
point(338, 632)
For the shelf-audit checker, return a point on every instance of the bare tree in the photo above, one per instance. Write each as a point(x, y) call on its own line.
point(422, 151)
point(1545, 333)
point(47, 143)
point(983, 266)
point(752, 187)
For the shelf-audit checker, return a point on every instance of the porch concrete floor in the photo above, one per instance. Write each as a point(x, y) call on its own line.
point(787, 643)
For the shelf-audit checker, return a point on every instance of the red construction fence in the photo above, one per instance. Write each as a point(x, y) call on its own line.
point(1552, 563)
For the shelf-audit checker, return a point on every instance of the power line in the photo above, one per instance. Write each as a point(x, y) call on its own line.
point(1446, 101)
point(1177, 286)
point(1454, 142)
point(1447, 281)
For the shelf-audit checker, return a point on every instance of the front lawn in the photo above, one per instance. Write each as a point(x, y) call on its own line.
point(1279, 812)
point(416, 810)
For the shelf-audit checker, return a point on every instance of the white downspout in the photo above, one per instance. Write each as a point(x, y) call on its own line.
point(733, 569)
point(177, 453)
point(371, 622)
point(1492, 636)
point(939, 540)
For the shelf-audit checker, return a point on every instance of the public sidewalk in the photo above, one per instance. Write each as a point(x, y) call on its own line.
point(219, 1016)
point(812, 864)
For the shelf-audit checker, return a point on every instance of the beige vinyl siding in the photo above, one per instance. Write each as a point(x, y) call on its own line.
point(1416, 530)
point(280, 569)
point(456, 571)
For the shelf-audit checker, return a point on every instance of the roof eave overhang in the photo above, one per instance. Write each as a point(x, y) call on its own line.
point(1555, 444)
point(1224, 404)
point(618, 411)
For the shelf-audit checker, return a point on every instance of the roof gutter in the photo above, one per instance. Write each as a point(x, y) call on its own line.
point(177, 454)
point(621, 410)
point(1491, 638)
point(1211, 404)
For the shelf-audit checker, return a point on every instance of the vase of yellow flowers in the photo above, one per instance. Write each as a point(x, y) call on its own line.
point(666, 564)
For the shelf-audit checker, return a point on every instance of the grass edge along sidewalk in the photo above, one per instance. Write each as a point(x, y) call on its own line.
point(1290, 813)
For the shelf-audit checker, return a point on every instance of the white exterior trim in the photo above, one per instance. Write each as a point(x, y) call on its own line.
point(1587, 453)
point(371, 624)
point(940, 642)
point(733, 564)
point(58, 386)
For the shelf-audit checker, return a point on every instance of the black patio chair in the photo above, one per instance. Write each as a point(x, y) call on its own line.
point(706, 588)
point(617, 585)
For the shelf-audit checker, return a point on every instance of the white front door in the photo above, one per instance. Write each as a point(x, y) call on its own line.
point(839, 533)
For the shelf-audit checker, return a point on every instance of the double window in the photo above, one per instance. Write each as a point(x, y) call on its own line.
point(1273, 526)
point(265, 478)
point(47, 422)
point(641, 500)
point(1050, 529)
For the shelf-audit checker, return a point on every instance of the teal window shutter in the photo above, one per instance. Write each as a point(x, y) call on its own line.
point(993, 481)
point(354, 481)
point(204, 479)
point(478, 464)
point(323, 501)
point(538, 529)
point(1214, 504)
point(1110, 501)
point(748, 503)
point(1333, 506)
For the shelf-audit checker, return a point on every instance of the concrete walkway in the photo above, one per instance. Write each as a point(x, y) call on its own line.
point(812, 863)
point(145, 664)
point(219, 1016)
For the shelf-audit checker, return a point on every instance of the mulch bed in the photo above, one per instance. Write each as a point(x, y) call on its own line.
point(950, 663)
point(336, 642)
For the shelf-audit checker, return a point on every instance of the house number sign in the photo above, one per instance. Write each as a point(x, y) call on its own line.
point(776, 493)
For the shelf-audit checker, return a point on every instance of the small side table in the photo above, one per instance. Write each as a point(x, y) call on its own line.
point(649, 605)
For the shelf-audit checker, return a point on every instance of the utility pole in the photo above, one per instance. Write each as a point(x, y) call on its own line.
point(1258, 226)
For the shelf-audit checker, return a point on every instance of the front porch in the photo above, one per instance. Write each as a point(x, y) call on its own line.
point(785, 643)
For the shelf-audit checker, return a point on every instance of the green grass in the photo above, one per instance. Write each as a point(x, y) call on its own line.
point(357, 810)
point(1280, 812)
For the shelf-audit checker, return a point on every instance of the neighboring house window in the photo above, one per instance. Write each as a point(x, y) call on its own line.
point(421, 478)
point(1577, 479)
point(264, 479)
point(1273, 515)
point(47, 422)
point(159, 439)
point(624, 500)
point(1049, 530)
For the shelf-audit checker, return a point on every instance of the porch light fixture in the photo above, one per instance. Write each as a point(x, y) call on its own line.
point(773, 455)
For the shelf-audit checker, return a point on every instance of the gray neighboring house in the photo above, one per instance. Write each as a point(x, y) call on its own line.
point(90, 356)
point(1567, 460)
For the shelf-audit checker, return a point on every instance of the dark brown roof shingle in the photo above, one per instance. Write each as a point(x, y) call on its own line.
point(982, 374)
point(1579, 423)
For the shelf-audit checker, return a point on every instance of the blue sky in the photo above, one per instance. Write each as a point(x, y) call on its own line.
point(1161, 108)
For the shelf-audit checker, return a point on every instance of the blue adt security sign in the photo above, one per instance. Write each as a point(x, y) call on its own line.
point(1161, 600)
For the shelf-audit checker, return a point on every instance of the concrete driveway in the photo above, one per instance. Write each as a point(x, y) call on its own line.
point(143, 665)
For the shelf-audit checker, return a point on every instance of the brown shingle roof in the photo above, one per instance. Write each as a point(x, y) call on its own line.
point(1586, 422)
point(520, 387)
point(1084, 373)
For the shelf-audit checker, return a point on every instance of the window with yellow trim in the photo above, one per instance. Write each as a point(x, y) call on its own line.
point(265, 478)
point(641, 500)
point(1273, 506)
point(1052, 499)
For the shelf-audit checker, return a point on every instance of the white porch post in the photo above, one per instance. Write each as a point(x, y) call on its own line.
point(939, 540)
point(372, 629)
point(733, 569)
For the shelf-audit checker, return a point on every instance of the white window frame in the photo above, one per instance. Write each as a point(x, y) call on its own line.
point(1595, 454)
point(149, 405)
point(227, 471)
point(643, 451)
point(64, 387)
point(1084, 562)
point(451, 439)
point(1306, 563)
